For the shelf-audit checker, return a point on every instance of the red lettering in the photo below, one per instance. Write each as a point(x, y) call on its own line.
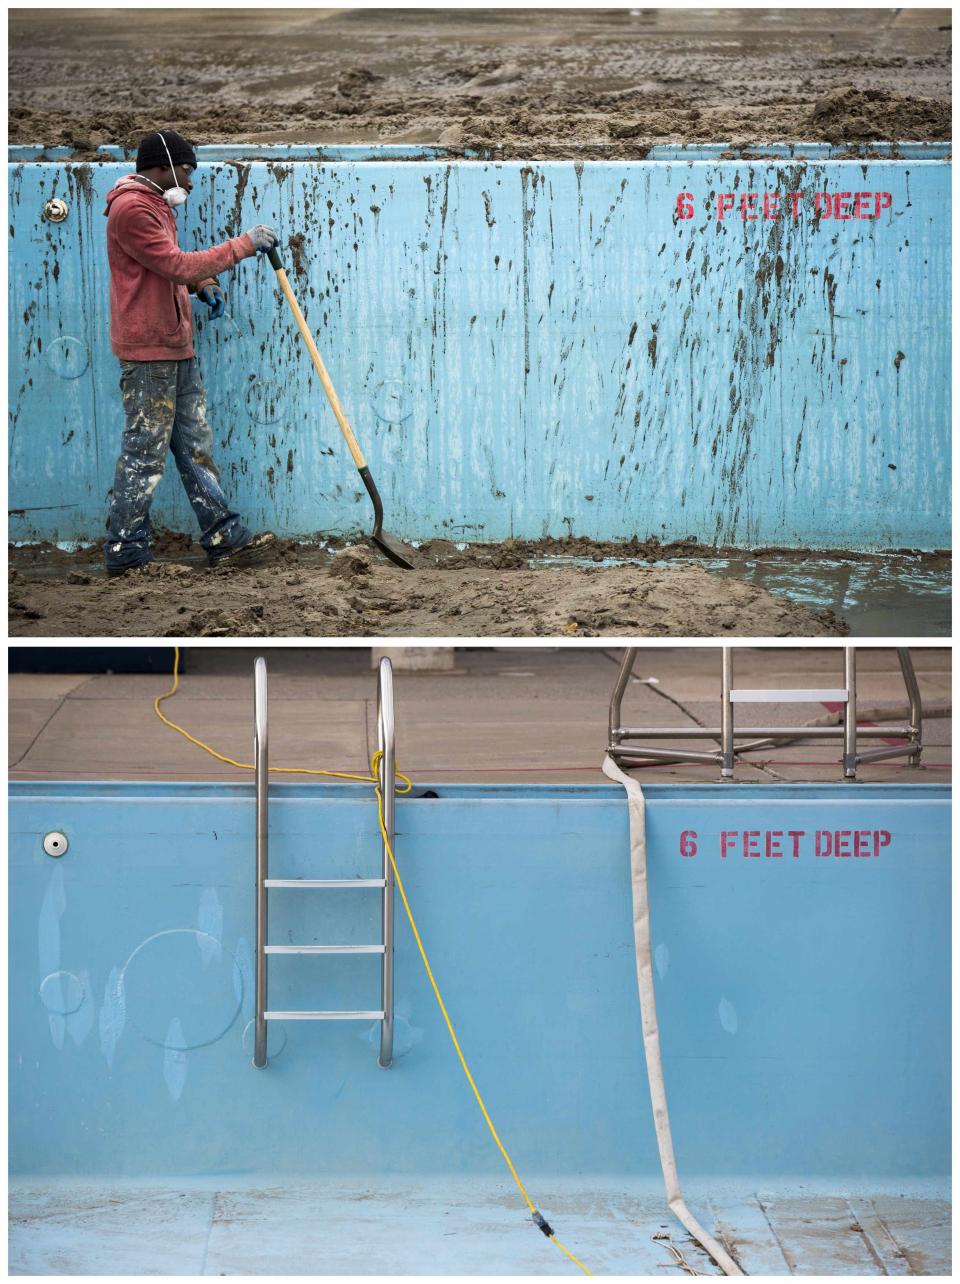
point(688, 842)
point(685, 205)
point(841, 205)
point(776, 843)
point(776, 205)
point(881, 201)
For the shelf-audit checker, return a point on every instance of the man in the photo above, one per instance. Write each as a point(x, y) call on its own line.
point(151, 332)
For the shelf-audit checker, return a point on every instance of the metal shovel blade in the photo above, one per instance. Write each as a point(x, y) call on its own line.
point(394, 549)
point(398, 553)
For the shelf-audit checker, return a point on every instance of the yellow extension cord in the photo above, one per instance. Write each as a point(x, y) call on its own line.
point(407, 786)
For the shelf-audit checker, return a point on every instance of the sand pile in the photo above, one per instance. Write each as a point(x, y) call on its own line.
point(359, 595)
point(533, 83)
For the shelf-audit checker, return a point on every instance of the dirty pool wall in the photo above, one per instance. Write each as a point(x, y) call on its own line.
point(749, 352)
point(803, 998)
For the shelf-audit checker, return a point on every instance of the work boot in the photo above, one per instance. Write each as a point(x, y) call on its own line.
point(115, 572)
point(258, 548)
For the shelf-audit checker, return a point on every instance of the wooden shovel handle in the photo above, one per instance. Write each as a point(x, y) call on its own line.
point(352, 444)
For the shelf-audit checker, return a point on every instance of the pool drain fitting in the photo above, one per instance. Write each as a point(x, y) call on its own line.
point(55, 210)
point(55, 843)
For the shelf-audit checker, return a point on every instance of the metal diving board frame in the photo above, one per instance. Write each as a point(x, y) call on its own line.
point(764, 737)
point(386, 743)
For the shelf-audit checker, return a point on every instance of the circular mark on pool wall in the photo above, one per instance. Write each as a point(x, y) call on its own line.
point(61, 992)
point(265, 401)
point(276, 1039)
point(67, 357)
point(728, 1016)
point(184, 975)
point(392, 401)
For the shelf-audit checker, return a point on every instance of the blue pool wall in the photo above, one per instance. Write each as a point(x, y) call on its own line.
point(804, 1001)
point(526, 349)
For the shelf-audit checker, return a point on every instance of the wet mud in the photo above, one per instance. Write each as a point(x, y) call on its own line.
point(533, 83)
point(355, 594)
point(897, 593)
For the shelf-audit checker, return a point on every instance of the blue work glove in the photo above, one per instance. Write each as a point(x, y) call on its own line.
point(215, 299)
point(264, 238)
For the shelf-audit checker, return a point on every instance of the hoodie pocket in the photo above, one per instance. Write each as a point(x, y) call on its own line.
point(173, 321)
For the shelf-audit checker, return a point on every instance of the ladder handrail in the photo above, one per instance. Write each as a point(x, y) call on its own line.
point(726, 714)
point(850, 713)
point(386, 767)
point(615, 721)
point(913, 696)
point(262, 776)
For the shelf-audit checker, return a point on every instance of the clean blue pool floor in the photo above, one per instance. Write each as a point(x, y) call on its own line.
point(465, 1226)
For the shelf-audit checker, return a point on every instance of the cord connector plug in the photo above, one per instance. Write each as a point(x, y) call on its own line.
point(543, 1224)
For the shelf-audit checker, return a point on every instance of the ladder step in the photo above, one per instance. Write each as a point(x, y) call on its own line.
point(837, 695)
point(324, 882)
point(323, 949)
point(323, 1016)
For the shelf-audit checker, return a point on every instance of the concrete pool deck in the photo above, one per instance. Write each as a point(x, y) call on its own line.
point(465, 1226)
point(506, 714)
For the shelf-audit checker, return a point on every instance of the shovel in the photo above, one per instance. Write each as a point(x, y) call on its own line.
point(397, 552)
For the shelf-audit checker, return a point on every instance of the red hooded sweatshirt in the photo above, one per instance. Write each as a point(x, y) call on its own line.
point(151, 278)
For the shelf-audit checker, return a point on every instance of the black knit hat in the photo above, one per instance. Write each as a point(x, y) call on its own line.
point(152, 152)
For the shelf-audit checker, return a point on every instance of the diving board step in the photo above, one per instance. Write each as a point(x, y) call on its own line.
point(323, 1016)
point(833, 695)
point(324, 882)
point(323, 949)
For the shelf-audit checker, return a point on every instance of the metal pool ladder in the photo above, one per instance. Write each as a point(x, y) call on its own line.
point(386, 737)
point(846, 696)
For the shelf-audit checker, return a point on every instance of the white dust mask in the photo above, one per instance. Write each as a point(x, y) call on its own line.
point(174, 196)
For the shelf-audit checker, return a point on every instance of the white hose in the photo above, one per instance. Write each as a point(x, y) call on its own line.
point(648, 1015)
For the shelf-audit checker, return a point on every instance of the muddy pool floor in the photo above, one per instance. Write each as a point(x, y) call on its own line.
point(534, 83)
point(458, 1226)
point(562, 589)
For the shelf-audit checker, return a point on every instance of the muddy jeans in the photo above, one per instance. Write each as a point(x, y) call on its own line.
point(166, 408)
